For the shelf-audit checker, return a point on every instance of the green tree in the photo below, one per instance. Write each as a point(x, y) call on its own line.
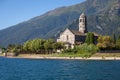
point(114, 38)
point(38, 45)
point(58, 45)
point(89, 38)
point(26, 46)
point(87, 50)
point(35, 45)
point(49, 44)
point(119, 37)
point(118, 43)
point(105, 42)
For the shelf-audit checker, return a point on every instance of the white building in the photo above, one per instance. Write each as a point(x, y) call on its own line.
point(72, 37)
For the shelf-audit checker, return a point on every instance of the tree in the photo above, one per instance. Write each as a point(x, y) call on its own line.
point(105, 42)
point(119, 37)
point(89, 38)
point(35, 45)
point(48, 44)
point(26, 46)
point(58, 45)
point(114, 38)
point(118, 43)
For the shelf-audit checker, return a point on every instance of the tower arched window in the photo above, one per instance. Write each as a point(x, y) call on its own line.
point(81, 20)
point(67, 37)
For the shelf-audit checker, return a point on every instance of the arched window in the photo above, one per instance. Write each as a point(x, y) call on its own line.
point(80, 20)
point(67, 37)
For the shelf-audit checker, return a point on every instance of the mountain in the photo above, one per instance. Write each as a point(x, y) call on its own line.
point(103, 17)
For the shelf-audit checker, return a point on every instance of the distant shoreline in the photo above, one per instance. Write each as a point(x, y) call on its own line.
point(69, 58)
point(38, 56)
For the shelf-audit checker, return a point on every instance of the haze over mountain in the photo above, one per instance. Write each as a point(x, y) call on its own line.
point(103, 17)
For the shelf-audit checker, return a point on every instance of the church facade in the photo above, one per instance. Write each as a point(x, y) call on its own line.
point(72, 37)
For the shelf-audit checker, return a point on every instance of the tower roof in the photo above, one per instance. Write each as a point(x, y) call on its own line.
point(82, 15)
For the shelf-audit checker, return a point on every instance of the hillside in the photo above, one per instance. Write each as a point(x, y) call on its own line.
point(103, 17)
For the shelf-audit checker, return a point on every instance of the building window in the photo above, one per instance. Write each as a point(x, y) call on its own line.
point(67, 37)
point(80, 20)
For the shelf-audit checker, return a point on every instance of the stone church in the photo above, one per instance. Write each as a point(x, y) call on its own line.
point(72, 37)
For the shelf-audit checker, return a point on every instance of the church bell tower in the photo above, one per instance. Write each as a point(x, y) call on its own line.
point(82, 23)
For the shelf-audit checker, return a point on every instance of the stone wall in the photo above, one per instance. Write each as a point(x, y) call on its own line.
point(67, 36)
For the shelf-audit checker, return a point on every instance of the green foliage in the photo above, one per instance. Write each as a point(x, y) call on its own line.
point(118, 43)
point(38, 45)
point(48, 44)
point(34, 45)
point(26, 45)
point(87, 48)
point(89, 38)
point(3, 50)
point(13, 48)
point(114, 38)
point(119, 37)
point(70, 51)
point(58, 45)
point(105, 42)
point(83, 50)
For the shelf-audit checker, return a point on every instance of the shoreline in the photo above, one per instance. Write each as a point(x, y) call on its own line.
point(97, 56)
point(68, 58)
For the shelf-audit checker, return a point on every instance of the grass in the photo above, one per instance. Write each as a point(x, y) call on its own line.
point(1, 54)
point(106, 55)
point(71, 55)
point(66, 55)
point(56, 55)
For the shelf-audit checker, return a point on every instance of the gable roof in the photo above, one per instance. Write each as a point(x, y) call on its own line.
point(78, 33)
point(82, 15)
point(74, 32)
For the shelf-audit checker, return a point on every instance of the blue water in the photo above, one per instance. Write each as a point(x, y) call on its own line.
point(28, 69)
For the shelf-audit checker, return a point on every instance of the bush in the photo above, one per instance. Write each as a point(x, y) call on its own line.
point(87, 50)
point(105, 43)
point(83, 50)
point(70, 50)
point(92, 48)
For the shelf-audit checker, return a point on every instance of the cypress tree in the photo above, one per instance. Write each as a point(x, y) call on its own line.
point(119, 37)
point(89, 38)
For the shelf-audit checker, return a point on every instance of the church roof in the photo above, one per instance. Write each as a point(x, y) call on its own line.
point(82, 15)
point(78, 33)
point(81, 34)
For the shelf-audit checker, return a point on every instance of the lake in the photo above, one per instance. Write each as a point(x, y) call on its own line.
point(32, 69)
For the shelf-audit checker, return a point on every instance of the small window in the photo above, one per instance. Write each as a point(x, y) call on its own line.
point(80, 20)
point(84, 20)
point(67, 37)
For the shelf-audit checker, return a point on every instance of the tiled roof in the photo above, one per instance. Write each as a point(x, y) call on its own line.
point(78, 33)
point(82, 15)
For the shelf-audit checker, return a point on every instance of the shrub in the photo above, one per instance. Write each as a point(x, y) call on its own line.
point(70, 50)
point(87, 50)
point(105, 42)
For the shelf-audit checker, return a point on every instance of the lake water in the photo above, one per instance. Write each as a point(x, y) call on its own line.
point(31, 69)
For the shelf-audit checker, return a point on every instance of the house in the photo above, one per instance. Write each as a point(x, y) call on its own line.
point(72, 37)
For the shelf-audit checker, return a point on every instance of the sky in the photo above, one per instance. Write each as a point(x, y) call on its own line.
point(13, 12)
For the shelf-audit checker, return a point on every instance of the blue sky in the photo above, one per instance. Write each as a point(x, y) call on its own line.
point(15, 11)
